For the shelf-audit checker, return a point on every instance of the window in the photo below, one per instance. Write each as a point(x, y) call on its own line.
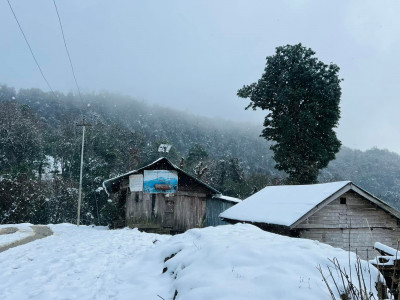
point(342, 200)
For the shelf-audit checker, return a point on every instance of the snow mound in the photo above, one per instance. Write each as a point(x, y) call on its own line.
point(244, 262)
point(225, 262)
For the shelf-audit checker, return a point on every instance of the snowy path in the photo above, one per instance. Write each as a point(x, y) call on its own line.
point(83, 263)
point(20, 237)
point(8, 230)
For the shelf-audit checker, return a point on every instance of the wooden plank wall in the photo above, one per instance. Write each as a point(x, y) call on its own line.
point(214, 208)
point(139, 209)
point(359, 223)
point(189, 210)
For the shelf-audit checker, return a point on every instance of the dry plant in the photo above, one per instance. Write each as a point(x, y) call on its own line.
point(346, 288)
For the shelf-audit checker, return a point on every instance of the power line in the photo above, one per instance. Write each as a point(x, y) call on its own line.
point(83, 118)
point(48, 84)
point(30, 49)
point(66, 48)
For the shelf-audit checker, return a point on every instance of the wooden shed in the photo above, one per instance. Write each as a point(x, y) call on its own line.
point(161, 197)
point(340, 214)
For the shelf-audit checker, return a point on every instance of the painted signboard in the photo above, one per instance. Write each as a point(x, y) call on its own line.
point(136, 183)
point(160, 181)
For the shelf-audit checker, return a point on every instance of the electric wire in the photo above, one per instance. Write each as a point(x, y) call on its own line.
point(30, 49)
point(83, 117)
point(66, 49)
point(48, 84)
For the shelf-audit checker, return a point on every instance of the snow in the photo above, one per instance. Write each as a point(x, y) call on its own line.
point(391, 255)
point(51, 166)
point(24, 230)
point(282, 205)
point(383, 261)
point(228, 198)
point(81, 263)
point(389, 250)
point(6, 239)
point(21, 226)
point(225, 262)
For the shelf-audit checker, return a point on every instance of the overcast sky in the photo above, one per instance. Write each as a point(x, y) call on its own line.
point(195, 55)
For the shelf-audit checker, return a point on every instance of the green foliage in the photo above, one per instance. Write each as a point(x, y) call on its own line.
point(61, 198)
point(40, 152)
point(302, 96)
point(21, 200)
point(196, 154)
point(376, 170)
point(21, 138)
point(227, 176)
point(196, 157)
point(36, 129)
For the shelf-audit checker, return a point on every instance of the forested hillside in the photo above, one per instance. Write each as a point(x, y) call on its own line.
point(40, 154)
point(375, 170)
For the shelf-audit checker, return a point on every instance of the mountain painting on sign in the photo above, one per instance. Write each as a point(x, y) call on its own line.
point(160, 181)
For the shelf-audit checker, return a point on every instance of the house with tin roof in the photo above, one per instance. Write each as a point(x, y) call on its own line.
point(161, 197)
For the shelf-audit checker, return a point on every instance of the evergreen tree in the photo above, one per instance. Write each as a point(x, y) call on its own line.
point(302, 96)
point(21, 142)
point(197, 154)
point(227, 176)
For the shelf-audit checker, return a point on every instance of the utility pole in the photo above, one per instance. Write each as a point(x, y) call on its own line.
point(83, 125)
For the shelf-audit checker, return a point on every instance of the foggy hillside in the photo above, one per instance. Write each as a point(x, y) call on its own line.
point(40, 152)
point(220, 138)
point(375, 170)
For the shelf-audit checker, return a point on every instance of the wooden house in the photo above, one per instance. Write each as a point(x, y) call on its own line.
point(161, 197)
point(340, 214)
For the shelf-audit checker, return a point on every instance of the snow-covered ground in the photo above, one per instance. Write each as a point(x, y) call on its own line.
point(226, 262)
point(24, 230)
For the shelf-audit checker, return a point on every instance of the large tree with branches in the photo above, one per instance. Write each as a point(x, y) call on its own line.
point(302, 96)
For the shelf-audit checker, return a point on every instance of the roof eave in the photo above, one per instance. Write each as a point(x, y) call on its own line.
point(252, 222)
point(233, 200)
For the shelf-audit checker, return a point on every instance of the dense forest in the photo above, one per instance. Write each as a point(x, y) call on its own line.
point(40, 154)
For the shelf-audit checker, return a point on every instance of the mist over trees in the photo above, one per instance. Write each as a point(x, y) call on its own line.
point(40, 154)
point(375, 170)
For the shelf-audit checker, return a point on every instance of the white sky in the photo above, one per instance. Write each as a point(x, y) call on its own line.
point(194, 55)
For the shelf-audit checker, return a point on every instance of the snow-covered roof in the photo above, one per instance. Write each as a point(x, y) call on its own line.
point(284, 205)
point(382, 248)
point(228, 198)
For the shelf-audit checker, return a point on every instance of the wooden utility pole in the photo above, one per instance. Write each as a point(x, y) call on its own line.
point(83, 125)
